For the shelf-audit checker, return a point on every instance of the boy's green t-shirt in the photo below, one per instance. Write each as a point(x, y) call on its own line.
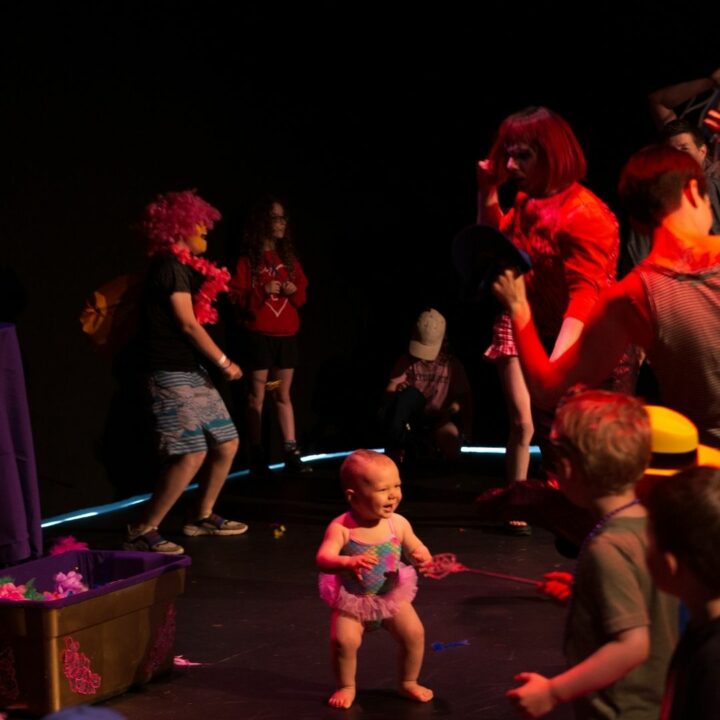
point(614, 592)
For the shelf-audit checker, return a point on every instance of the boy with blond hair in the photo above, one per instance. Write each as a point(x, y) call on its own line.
point(621, 630)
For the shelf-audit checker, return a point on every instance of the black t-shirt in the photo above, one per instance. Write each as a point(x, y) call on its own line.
point(693, 685)
point(163, 344)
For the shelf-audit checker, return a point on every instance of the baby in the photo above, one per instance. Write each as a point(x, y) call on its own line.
point(363, 579)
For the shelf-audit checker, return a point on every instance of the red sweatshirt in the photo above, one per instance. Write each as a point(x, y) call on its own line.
point(269, 314)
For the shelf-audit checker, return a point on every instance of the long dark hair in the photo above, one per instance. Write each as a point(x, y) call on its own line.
point(258, 228)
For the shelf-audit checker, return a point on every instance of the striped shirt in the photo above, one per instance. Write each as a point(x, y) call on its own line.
point(685, 351)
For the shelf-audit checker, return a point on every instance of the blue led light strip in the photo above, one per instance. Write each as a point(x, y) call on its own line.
point(320, 457)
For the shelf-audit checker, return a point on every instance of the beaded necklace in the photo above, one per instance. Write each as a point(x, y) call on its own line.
point(601, 523)
point(599, 526)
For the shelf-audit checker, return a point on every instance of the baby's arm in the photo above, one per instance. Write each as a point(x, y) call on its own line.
point(539, 695)
point(413, 547)
point(330, 560)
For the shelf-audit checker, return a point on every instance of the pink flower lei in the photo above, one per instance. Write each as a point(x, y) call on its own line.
point(216, 281)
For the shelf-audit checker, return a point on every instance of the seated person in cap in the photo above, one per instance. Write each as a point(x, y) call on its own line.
point(428, 391)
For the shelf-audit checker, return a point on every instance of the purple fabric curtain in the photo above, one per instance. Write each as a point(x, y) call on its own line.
point(20, 531)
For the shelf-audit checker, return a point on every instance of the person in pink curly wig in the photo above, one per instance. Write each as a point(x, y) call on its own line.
point(195, 433)
point(174, 216)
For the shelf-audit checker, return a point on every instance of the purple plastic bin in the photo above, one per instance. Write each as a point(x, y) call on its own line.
point(93, 645)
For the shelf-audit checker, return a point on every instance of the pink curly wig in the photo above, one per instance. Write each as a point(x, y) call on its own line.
point(176, 215)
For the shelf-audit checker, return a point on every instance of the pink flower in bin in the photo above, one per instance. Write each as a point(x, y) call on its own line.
point(66, 544)
point(10, 591)
point(69, 584)
point(65, 585)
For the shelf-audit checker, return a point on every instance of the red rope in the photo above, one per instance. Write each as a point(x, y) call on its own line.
point(444, 564)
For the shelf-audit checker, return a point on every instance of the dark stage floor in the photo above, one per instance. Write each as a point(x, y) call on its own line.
point(252, 618)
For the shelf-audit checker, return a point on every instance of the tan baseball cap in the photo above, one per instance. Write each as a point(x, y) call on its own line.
point(428, 335)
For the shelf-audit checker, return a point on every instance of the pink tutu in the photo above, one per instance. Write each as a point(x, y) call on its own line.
point(369, 607)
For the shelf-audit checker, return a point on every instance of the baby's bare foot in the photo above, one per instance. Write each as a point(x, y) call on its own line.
point(413, 690)
point(343, 697)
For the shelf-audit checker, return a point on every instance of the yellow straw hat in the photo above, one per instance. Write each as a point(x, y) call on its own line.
point(675, 443)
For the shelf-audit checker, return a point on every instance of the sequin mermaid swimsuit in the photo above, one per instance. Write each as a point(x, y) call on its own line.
point(381, 589)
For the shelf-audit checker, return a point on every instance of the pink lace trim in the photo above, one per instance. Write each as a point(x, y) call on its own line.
point(369, 607)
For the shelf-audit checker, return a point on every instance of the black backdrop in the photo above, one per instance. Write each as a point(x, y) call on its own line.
point(367, 117)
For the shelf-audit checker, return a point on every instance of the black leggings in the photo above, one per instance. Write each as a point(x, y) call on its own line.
point(402, 415)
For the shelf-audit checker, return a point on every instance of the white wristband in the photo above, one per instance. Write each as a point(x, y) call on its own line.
point(221, 361)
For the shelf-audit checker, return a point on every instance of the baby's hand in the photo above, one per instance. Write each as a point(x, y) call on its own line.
point(535, 697)
point(558, 586)
point(358, 563)
point(421, 559)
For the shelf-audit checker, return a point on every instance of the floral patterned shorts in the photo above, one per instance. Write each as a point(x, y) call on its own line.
point(189, 412)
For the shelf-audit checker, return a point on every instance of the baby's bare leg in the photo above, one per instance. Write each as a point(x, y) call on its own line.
point(407, 629)
point(346, 635)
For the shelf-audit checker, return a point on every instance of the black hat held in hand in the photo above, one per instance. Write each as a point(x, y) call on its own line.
point(480, 253)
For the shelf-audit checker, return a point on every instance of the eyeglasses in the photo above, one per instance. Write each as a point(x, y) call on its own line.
point(278, 218)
